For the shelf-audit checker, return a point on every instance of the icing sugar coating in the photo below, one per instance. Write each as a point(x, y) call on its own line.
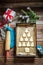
point(26, 30)
point(20, 44)
point(21, 38)
point(32, 44)
point(31, 39)
point(23, 44)
point(27, 49)
point(28, 44)
point(24, 35)
point(26, 39)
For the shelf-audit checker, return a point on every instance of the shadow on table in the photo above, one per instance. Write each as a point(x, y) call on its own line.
point(39, 54)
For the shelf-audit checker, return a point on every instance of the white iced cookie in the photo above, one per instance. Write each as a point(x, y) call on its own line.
point(26, 39)
point(24, 35)
point(31, 39)
point(21, 39)
point(28, 34)
point(26, 30)
point(27, 49)
point(20, 44)
point(23, 44)
point(32, 44)
point(28, 44)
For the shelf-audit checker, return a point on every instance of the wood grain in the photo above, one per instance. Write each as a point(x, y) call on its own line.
point(12, 51)
point(30, 4)
point(13, 60)
point(19, 1)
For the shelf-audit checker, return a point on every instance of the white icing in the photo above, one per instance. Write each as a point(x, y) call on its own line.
point(28, 44)
point(27, 49)
point(28, 34)
point(31, 39)
point(24, 44)
point(21, 39)
point(26, 39)
point(26, 30)
point(32, 44)
point(19, 44)
point(24, 35)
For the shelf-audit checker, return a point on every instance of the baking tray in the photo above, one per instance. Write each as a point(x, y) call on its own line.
point(26, 39)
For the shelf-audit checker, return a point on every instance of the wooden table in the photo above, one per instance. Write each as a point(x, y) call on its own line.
point(13, 60)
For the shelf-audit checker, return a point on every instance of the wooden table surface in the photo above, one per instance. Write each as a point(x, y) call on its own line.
point(13, 60)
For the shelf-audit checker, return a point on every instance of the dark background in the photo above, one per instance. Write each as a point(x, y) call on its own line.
point(17, 1)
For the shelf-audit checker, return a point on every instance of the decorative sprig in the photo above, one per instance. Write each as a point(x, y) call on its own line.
point(32, 15)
